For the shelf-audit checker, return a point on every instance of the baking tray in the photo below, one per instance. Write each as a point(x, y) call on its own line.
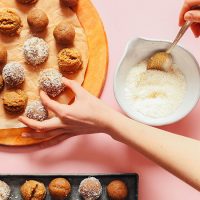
point(15, 181)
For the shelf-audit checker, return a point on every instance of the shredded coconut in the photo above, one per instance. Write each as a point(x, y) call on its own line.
point(13, 74)
point(35, 110)
point(50, 81)
point(36, 51)
point(90, 188)
point(154, 93)
point(4, 190)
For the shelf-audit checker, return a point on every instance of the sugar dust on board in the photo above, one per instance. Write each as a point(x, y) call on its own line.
point(154, 93)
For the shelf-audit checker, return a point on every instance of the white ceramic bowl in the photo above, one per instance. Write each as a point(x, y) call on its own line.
point(138, 50)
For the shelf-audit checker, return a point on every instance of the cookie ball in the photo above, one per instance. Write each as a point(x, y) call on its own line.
point(28, 2)
point(90, 188)
point(36, 51)
point(13, 74)
point(1, 83)
point(4, 190)
point(3, 55)
point(69, 61)
point(64, 33)
point(37, 20)
point(50, 81)
point(117, 190)
point(33, 190)
point(15, 101)
point(70, 3)
point(10, 22)
point(59, 188)
point(35, 110)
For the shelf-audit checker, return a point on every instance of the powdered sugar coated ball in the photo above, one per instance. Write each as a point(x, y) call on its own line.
point(36, 51)
point(90, 188)
point(35, 110)
point(4, 190)
point(13, 74)
point(50, 81)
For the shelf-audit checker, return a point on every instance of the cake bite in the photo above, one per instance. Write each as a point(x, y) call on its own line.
point(1, 83)
point(35, 110)
point(14, 101)
point(33, 190)
point(3, 55)
point(50, 81)
point(28, 2)
point(117, 190)
point(37, 20)
point(59, 188)
point(4, 190)
point(70, 3)
point(90, 188)
point(36, 51)
point(13, 74)
point(10, 22)
point(64, 33)
point(69, 60)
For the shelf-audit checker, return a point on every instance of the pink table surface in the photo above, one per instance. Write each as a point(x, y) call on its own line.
point(123, 20)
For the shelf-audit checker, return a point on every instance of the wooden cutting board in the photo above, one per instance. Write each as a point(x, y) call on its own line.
point(95, 75)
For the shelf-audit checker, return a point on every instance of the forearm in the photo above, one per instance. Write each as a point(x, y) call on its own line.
point(177, 154)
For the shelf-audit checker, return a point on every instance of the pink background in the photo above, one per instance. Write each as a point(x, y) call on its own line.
point(123, 20)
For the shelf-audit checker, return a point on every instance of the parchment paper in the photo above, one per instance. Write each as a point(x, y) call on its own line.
point(56, 13)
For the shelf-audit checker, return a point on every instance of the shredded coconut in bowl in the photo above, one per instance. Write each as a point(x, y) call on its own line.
point(154, 93)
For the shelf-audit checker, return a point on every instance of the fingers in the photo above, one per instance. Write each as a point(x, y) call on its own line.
point(50, 124)
point(193, 16)
point(54, 106)
point(195, 27)
point(75, 87)
point(43, 135)
point(186, 7)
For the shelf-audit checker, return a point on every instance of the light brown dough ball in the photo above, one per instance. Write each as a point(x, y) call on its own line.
point(37, 20)
point(3, 55)
point(64, 33)
point(70, 3)
point(33, 190)
point(28, 2)
point(59, 188)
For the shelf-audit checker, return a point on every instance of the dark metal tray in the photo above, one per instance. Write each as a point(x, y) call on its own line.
point(15, 181)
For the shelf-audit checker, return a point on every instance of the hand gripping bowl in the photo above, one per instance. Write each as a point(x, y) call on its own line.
point(140, 49)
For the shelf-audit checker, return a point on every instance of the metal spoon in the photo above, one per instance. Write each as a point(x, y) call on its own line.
point(163, 60)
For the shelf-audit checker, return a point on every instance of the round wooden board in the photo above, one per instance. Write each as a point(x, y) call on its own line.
point(95, 74)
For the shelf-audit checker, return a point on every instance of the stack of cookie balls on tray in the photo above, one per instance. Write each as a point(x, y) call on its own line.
point(36, 52)
point(60, 189)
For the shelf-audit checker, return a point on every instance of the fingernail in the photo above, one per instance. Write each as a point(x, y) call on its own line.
point(26, 134)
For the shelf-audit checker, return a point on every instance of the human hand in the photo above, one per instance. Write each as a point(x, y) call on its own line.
point(187, 14)
point(86, 115)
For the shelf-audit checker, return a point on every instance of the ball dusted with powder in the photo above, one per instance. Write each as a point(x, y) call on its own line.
point(35, 110)
point(50, 81)
point(36, 51)
point(4, 190)
point(13, 74)
point(90, 188)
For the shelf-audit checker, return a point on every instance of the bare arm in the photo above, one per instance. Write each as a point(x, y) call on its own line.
point(87, 115)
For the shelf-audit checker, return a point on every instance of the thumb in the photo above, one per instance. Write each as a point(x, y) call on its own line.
point(78, 90)
point(193, 16)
